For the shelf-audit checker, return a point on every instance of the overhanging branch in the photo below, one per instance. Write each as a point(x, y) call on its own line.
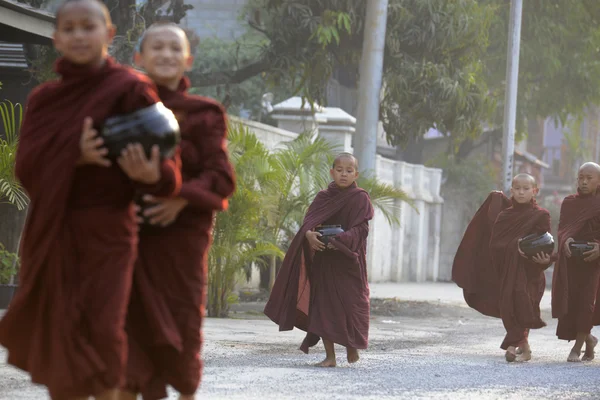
point(203, 79)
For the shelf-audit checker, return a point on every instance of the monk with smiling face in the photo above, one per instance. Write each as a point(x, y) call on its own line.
point(575, 282)
point(65, 326)
point(170, 279)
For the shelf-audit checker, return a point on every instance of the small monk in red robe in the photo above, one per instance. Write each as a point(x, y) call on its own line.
point(497, 278)
point(66, 324)
point(575, 279)
point(323, 289)
point(169, 288)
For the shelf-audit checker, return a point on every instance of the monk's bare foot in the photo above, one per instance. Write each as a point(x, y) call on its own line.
point(326, 363)
point(523, 347)
point(590, 344)
point(511, 354)
point(524, 356)
point(574, 356)
point(352, 355)
point(519, 351)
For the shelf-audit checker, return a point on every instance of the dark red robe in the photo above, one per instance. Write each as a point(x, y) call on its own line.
point(575, 282)
point(326, 293)
point(521, 281)
point(169, 289)
point(472, 269)
point(496, 280)
point(65, 326)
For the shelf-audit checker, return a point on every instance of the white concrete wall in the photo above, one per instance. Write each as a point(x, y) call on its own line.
point(406, 253)
point(409, 252)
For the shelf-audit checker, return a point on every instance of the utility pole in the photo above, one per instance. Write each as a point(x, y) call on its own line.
point(369, 86)
point(510, 96)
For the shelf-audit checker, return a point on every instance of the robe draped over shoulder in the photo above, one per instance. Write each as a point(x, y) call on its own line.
point(472, 269)
point(327, 294)
point(65, 325)
point(169, 288)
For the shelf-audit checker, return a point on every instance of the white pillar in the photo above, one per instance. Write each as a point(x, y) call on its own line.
point(369, 87)
point(510, 97)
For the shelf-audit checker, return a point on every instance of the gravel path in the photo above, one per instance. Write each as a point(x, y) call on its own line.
point(420, 352)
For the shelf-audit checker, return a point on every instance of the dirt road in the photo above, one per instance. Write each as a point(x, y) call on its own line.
point(417, 351)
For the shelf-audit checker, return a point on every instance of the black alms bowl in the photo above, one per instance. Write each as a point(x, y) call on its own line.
point(328, 231)
point(154, 125)
point(533, 244)
point(578, 248)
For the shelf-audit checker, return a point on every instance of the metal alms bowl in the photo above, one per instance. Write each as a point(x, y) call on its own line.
point(532, 245)
point(578, 248)
point(154, 125)
point(328, 231)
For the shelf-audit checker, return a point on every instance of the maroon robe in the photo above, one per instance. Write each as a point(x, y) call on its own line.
point(169, 289)
point(521, 281)
point(575, 282)
point(326, 293)
point(496, 280)
point(472, 269)
point(65, 325)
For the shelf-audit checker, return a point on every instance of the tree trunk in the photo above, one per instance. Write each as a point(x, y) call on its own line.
point(273, 271)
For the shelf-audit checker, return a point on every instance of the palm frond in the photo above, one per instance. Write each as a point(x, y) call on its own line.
point(11, 190)
point(386, 198)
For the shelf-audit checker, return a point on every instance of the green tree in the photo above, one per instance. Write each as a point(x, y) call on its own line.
point(433, 75)
point(559, 71)
point(559, 68)
point(244, 97)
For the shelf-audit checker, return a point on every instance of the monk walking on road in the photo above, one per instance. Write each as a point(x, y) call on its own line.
point(576, 276)
point(323, 289)
point(497, 278)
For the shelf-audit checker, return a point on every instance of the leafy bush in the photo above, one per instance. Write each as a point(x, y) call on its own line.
point(8, 265)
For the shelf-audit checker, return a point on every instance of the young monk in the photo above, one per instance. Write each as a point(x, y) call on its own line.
point(497, 278)
point(575, 279)
point(168, 298)
point(65, 326)
point(324, 290)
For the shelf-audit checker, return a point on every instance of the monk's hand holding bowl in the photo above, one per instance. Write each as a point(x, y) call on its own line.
point(331, 246)
point(91, 146)
point(541, 258)
point(165, 210)
point(314, 242)
point(567, 248)
point(593, 254)
point(137, 166)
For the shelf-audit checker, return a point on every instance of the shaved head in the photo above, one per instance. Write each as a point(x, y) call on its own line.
point(590, 166)
point(588, 179)
point(97, 4)
point(524, 178)
point(345, 156)
point(161, 26)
